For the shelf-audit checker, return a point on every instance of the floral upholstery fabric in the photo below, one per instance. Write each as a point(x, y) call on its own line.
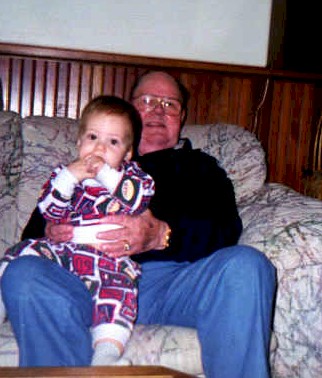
point(10, 162)
point(47, 142)
point(285, 225)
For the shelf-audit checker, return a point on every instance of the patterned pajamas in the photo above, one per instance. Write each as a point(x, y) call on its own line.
point(112, 282)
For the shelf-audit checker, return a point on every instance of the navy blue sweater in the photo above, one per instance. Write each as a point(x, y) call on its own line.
point(195, 197)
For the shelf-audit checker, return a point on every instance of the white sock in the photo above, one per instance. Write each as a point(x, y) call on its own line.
point(106, 353)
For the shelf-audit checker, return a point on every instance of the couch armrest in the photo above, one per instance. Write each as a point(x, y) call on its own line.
point(10, 166)
point(287, 227)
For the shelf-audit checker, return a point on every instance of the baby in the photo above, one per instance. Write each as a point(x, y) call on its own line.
point(102, 180)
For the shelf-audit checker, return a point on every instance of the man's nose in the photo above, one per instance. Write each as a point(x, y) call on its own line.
point(159, 108)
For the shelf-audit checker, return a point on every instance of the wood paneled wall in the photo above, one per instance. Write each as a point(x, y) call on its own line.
point(281, 108)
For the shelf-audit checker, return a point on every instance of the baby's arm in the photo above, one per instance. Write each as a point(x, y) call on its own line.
point(131, 187)
point(88, 167)
point(109, 177)
point(56, 194)
point(58, 190)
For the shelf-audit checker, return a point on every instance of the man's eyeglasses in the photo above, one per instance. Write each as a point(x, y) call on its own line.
point(147, 103)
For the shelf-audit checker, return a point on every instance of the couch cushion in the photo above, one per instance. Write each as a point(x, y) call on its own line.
point(174, 347)
point(10, 162)
point(237, 150)
point(47, 142)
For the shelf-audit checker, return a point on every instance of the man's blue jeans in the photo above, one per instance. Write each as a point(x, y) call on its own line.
point(228, 297)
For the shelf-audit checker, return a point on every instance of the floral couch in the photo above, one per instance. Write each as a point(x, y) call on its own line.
point(285, 225)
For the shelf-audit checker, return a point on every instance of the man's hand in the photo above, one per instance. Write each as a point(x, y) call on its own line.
point(139, 233)
point(59, 233)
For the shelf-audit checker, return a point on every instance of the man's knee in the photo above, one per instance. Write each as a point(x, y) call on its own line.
point(243, 260)
point(31, 279)
point(251, 256)
point(37, 276)
point(19, 274)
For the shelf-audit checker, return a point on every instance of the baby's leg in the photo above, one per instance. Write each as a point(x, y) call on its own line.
point(113, 284)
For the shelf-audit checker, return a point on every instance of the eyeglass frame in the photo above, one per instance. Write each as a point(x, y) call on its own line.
point(161, 101)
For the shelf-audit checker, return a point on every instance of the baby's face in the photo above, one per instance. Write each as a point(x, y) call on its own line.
point(107, 136)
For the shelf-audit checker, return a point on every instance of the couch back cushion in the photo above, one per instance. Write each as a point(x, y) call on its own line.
point(47, 143)
point(238, 152)
point(10, 163)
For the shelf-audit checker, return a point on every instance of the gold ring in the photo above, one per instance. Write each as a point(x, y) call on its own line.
point(127, 246)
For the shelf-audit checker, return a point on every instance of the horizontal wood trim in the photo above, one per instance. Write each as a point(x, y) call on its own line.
point(143, 61)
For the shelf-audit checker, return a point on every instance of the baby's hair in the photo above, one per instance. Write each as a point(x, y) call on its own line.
point(113, 105)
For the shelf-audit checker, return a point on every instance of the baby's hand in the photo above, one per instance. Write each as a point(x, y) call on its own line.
point(87, 167)
point(94, 164)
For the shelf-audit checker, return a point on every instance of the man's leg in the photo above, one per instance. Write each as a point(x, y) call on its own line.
point(50, 311)
point(228, 297)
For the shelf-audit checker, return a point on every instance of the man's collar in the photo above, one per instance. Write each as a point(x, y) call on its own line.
point(183, 143)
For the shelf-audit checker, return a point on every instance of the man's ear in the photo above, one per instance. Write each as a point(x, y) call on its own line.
point(183, 117)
